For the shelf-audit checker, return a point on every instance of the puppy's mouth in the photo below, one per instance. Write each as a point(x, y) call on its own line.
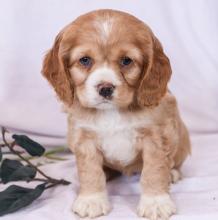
point(104, 104)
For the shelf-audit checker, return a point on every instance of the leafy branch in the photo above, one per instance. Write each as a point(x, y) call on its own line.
point(15, 197)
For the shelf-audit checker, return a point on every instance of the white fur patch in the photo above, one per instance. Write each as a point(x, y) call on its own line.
point(105, 27)
point(156, 207)
point(117, 137)
point(103, 74)
point(175, 175)
point(92, 206)
point(116, 134)
point(100, 75)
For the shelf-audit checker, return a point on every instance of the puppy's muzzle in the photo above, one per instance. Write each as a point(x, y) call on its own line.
point(106, 90)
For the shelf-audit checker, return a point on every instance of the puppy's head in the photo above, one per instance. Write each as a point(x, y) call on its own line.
point(106, 59)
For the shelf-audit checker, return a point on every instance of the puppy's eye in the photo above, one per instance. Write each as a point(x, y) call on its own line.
point(86, 61)
point(125, 61)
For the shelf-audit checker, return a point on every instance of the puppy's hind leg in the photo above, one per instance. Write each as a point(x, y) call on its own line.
point(175, 175)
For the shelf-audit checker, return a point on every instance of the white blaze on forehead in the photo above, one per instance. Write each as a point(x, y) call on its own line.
point(103, 74)
point(105, 27)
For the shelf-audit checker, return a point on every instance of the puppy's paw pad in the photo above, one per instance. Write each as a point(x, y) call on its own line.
point(91, 206)
point(175, 175)
point(159, 207)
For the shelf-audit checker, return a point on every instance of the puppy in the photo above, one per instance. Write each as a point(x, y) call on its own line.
point(111, 73)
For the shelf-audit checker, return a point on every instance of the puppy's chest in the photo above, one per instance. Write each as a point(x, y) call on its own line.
point(117, 140)
point(117, 136)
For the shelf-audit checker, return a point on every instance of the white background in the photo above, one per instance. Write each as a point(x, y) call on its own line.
point(188, 30)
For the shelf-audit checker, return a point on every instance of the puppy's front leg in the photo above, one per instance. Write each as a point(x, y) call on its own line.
point(92, 200)
point(155, 202)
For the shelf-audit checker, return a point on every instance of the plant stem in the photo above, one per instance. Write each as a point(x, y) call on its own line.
point(35, 179)
point(54, 158)
point(9, 152)
point(54, 151)
point(10, 146)
point(39, 179)
point(63, 182)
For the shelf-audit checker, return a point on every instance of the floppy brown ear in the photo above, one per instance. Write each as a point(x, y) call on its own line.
point(55, 70)
point(154, 80)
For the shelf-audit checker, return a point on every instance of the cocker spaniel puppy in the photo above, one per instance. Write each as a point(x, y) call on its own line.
point(111, 73)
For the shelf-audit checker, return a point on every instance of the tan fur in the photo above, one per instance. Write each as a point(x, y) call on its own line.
point(89, 158)
point(161, 141)
point(55, 71)
point(153, 86)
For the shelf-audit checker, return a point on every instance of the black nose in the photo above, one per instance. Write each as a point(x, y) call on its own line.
point(106, 90)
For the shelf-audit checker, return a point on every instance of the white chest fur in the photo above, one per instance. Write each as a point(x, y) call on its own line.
point(117, 135)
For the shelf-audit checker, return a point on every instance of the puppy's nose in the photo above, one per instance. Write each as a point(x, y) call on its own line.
point(105, 89)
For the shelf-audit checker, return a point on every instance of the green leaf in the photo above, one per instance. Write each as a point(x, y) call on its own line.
point(15, 197)
point(32, 147)
point(13, 170)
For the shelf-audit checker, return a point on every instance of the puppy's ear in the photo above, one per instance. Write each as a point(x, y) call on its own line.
point(55, 70)
point(153, 84)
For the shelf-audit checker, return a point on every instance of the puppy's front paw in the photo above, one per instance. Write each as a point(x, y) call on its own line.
point(159, 207)
point(92, 205)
